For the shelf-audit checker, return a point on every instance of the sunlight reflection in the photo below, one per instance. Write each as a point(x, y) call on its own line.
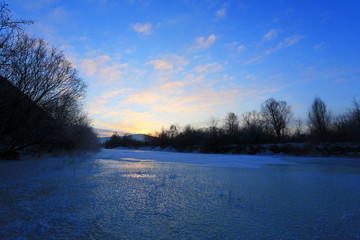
point(136, 160)
point(139, 175)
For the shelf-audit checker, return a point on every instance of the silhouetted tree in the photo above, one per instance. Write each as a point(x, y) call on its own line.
point(253, 126)
point(10, 28)
point(45, 93)
point(210, 139)
point(355, 121)
point(22, 122)
point(114, 141)
point(319, 119)
point(46, 77)
point(299, 132)
point(231, 124)
point(277, 115)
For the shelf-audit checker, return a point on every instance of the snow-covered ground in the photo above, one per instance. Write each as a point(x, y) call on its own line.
point(129, 194)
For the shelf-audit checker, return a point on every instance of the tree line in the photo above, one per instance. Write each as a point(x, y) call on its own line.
point(273, 124)
point(41, 95)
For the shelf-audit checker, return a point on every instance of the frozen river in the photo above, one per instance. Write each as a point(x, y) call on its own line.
point(125, 194)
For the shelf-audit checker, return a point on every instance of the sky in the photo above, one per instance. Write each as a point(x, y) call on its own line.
point(149, 64)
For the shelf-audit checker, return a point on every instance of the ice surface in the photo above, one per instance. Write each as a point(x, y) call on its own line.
point(191, 158)
point(127, 194)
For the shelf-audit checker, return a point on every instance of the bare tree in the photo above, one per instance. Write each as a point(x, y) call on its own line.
point(299, 128)
point(355, 118)
point(213, 128)
point(319, 119)
point(46, 77)
point(41, 93)
point(173, 132)
point(231, 124)
point(355, 112)
point(253, 125)
point(9, 30)
point(277, 115)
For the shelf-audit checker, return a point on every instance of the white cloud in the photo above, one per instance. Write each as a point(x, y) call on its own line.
point(270, 35)
point(221, 13)
point(292, 40)
point(256, 59)
point(241, 48)
point(161, 65)
point(177, 61)
point(202, 43)
point(130, 51)
point(210, 67)
point(112, 94)
point(112, 73)
point(169, 62)
point(143, 28)
point(236, 46)
point(340, 80)
point(287, 42)
point(90, 66)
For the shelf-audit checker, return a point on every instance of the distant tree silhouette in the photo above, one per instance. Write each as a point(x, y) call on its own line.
point(346, 127)
point(213, 128)
point(231, 125)
point(253, 125)
point(355, 121)
point(319, 120)
point(299, 132)
point(277, 114)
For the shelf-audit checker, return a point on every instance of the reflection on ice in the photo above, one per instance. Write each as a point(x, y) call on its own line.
point(136, 160)
point(139, 175)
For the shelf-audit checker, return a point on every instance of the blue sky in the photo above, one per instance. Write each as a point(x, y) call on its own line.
point(150, 64)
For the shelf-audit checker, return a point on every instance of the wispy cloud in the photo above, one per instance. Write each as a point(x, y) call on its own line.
point(221, 13)
point(97, 104)
point(241, 48)
point(161, 65)
point(90, 66)
point(237, 47)
point(142, 28)
point(147, 97)
point(320, 46)
point(112, 73)
point(203, 43)
point(105, 70)
point(169, 63)
point(271, 35)
point(172, 86)
point(115, 93)
point(196, 101)
point(340, 80)
point(256, 59)
point(287, 42)
point(210, 67)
